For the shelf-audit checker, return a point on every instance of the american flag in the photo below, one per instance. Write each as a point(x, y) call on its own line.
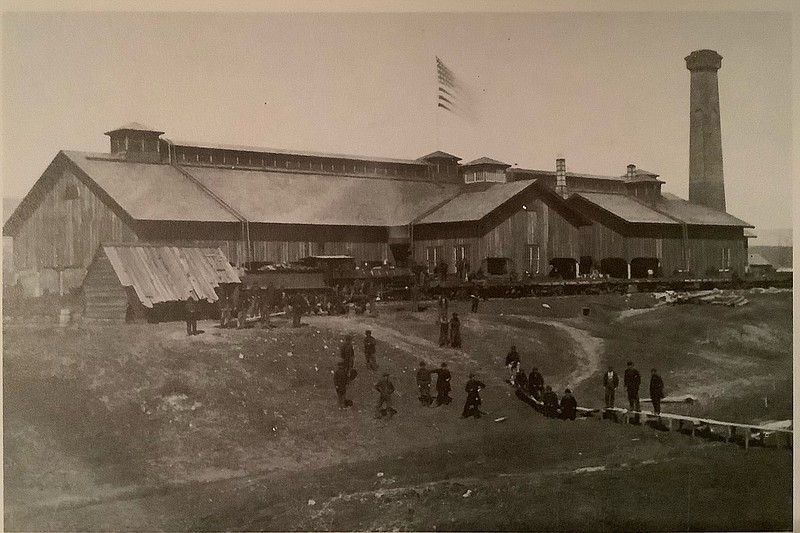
point(453, 95)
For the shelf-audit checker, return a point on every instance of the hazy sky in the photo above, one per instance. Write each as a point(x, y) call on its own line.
point(600, 89)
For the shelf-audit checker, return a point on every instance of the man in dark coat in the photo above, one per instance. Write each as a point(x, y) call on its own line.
point(521, 379)
point(536, 383)
point(632, 381)
point(455, 331)
point(475, 299)
point(569, 405)
point(340, 381)
point(347, 353)
point(512, 361)
point(656, 390)
point(297, 309)
point(443, 385)
point(424, 384)
point(473, 403)
point(610, 384)
point(550, 400)
point(191, 314)
point(385, 390)
point(369, 350)
point(444, 331)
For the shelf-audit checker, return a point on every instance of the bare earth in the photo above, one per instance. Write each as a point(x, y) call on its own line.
point(142, 428)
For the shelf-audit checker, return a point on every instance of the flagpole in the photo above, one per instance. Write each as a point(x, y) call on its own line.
point(436, 109)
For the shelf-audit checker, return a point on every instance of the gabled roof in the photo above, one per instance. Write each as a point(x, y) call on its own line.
point(625, 208)
point(293, 198)
point(486, 161)
point(150, 191)
point(472, 205)
point(668, 210)
point(134, 126)
point(438, 154)
point(161, 273)
point(697, 214)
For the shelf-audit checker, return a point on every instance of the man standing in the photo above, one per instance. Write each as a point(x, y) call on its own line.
point(610, 384)
point(443, 385)
point(297, 309)
point(455, 331)
point(385, 390)
point(347, 353)
point(536, 383)
point(340, 381)
point(632, 381)
point(191, 314)
point(369, 350)
point(656, 390)
point(424, 384)
point(512, 361)
point(474, 298)
point(444, 331)
point(473, 403)
point(569, 405)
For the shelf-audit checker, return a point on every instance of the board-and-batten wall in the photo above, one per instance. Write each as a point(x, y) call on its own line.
point(506, 233)
point(274, 242)
point(65, 230)
point(609, 238)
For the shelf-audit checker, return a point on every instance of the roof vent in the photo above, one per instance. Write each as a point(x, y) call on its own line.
point(136, 142)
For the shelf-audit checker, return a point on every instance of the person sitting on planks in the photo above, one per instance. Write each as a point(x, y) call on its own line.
point(569, 406)
point(550, 400)
point(536, 383)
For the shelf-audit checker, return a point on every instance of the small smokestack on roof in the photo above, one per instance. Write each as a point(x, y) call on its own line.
point(631, 171)
point(561, 177)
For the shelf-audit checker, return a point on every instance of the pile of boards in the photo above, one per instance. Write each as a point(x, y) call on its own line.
point(712, 297)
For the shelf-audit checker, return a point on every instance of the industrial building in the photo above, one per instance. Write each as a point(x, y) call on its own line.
point(268, 205)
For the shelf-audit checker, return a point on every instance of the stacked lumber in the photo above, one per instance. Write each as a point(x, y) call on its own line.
point(709, 297)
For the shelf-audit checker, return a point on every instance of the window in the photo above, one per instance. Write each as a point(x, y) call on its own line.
point(533, 258)
point(469, 177)
point(433, 254)
point(460, 253)
point(71, 192)
point(726, 257)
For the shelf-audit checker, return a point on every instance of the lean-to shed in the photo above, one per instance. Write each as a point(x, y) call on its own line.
point(127, 281)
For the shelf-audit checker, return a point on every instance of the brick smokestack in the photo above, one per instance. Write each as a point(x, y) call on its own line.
point(561, 177)
point(706, 183)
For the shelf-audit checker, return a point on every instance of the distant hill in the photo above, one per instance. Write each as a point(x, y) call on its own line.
point(772, 237)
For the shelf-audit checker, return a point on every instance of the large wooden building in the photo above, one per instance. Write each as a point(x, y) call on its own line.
point(267, 205)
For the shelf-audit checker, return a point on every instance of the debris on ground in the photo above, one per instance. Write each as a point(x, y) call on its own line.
point(713, 297)
point(467, 494)
point(586, 469)
point(546, 306)
point(768, 290)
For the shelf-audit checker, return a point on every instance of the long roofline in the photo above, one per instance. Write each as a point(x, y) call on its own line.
point(266, 150)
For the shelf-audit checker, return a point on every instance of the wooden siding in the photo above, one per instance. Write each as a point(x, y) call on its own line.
point(61, 232)
point(274, 242)
point(505, 233)
point(105, 297)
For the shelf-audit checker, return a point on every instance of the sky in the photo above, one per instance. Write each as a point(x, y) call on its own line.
point(600, 89)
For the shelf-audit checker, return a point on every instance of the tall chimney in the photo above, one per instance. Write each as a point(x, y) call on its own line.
point(561, 177)
point(706, 183)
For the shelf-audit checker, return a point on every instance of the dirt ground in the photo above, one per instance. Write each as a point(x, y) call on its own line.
point(140, 427)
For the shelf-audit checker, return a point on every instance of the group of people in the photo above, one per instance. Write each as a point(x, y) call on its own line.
point(632, 380)
point(533, 384)
point(345, 373)
point(449, 330)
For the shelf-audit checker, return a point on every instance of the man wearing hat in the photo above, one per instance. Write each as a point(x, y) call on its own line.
point(385, 390)
point(347, 352)
point(473, 403)
point(424, 384)
point(369, 350)
point(569, 405)
point(340, 381)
